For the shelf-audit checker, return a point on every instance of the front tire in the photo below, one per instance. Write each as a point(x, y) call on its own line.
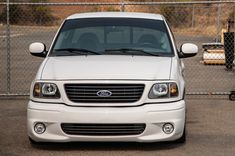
point(232, 96)
point(33, 142)
point(182, 139)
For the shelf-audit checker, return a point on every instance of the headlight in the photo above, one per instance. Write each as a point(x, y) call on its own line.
point(49, 89)
point(160, 89)
point(163, 90)
point(46, 90)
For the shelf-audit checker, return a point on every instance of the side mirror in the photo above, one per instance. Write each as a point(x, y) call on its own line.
point(188, 50)
point(38, 49)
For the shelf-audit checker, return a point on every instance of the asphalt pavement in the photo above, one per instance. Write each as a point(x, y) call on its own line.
point(210, 132)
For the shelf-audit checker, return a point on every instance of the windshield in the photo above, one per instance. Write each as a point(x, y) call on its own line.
point(113, 36)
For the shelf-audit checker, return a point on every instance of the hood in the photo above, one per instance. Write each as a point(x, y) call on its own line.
point(103, 67)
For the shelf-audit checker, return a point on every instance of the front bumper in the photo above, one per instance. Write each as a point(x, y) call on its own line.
point(153, 115)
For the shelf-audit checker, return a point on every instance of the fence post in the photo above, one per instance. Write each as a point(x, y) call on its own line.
point(8, 33)
point(218, 22)
point(193, 13)
point(122, 6)
point(233, 64)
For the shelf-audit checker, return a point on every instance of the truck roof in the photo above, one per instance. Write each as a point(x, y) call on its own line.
point(117, 15)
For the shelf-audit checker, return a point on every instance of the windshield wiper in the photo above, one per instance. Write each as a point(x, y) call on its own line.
point(79, 51)
point(131, 51)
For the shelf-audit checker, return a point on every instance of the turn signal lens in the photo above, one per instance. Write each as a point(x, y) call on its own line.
point(173, 90)
point(36, 89)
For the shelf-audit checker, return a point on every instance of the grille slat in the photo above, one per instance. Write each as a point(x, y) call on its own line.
point(92, 93)
point(87, 93)
point(113, 97)
point(103, 100)
point(99, 126)
point(100, 86)
point(114, 90)
point(103, 129)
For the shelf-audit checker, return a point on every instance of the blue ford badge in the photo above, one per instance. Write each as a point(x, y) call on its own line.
point(104, 93)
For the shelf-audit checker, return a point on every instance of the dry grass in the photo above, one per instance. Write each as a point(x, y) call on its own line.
point(208, 31)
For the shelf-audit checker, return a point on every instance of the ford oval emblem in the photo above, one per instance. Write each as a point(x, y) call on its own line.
point(104, 93)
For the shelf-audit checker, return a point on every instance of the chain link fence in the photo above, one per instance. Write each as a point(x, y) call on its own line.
point(203, 23)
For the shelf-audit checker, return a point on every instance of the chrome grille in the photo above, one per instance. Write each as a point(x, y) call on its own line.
point(103, 129)
point(87, 93)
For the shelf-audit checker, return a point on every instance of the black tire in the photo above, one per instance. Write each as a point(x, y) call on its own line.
point(182, 139)
point(232, 96)
point(33, 142)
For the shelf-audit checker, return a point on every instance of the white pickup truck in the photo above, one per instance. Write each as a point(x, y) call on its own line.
point(109, 76)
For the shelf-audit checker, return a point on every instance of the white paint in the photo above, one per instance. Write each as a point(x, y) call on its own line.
point(36, 47)
point(189, 48)
point(107, 67)
point(117, 14)
point(213, 56)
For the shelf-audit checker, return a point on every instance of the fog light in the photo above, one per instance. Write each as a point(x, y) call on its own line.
point(168, 128)
point(39, 128)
